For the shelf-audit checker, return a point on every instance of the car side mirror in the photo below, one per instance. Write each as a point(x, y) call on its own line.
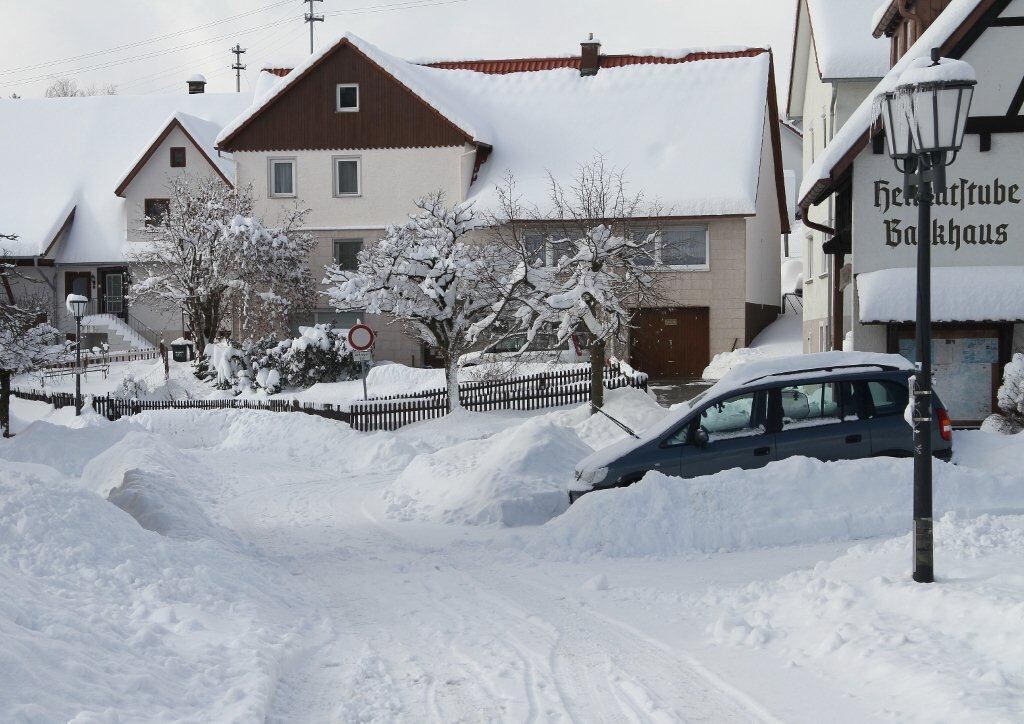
point(701, 437)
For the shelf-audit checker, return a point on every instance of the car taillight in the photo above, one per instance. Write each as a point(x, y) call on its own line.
point(945, 425)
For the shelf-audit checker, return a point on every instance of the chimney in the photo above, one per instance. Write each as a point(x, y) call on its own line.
point(590, 55)
point(196, 84)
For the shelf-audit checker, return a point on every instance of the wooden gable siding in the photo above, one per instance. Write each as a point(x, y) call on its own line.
point(904, 27)
point(303, 117)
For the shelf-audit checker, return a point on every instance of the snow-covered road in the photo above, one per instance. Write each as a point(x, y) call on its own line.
point(417, 623)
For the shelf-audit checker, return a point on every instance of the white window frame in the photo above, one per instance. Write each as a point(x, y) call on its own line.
point(337, 98)
point(336, 178)
point(273, 161)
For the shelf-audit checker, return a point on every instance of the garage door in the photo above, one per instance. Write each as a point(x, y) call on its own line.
point(671, 342)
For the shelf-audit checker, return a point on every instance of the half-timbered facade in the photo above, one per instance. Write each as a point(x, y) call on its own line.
point(978, 227)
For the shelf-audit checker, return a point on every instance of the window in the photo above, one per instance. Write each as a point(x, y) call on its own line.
point(177, 157)
point(282, 177)
point(887, 398)
point(347, 97)
point(810, 404)
point(156, 211)
point(684, 247)
point(736, 417)
point(547, 248)
point(346, 177)
point(346, 253)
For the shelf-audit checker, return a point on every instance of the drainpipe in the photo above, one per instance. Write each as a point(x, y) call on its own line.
point(835, 292)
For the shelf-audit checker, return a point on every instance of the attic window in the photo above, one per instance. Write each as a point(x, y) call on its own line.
point(347, 97)
point(177, 157)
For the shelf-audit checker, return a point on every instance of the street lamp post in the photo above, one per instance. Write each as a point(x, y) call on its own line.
point(76, 305)
point(924, 119)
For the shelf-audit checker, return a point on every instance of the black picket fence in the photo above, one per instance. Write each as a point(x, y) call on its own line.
point(528, 392)
point(114, 408)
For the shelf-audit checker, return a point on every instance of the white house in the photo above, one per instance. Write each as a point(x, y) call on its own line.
point(357, 134)
point(978, 221)
point(89, 171)
point(836, 64)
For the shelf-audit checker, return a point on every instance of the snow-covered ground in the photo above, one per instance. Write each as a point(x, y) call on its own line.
point(781, 338)
point(247, 566)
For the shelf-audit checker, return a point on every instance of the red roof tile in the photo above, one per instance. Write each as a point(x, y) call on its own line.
point(521, 65)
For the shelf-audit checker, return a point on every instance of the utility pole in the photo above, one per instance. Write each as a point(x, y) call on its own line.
point(311, 18)
point(238, 67)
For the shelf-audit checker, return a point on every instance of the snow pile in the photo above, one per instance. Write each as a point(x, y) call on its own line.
point(63, 448)
point(946, 70)
point(843, 44)
point(781, 338)
point(104, 621)
point(959, 294)
point(634, 408)
point(798, 500)
point(295, 436)
point(952, 651)
point(154, 483)
point(516, 477)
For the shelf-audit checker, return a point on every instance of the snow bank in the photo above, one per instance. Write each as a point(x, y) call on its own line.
point(952, 651)
point(516, 477)
point(296, 436)
point(781, 338)
point(154, 483)
point(63, 448)
point(104, 621)
point(798, 500)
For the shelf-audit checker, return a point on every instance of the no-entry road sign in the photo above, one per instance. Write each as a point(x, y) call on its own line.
point(360, 337)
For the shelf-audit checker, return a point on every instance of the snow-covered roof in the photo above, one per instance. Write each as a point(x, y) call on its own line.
point(843, 44)
point(200, 131)
point(959, 294)
point(71, 153)
point(688, 134)
point(820, 173)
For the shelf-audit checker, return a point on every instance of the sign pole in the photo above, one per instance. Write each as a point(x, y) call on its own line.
point(366, 368)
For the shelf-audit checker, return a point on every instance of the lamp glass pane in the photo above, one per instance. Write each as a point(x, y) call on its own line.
point(948, 100)
point(966, 95)
point(924, 119)
point(897, 127)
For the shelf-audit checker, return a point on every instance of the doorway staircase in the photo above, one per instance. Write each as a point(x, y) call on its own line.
point(121, 335)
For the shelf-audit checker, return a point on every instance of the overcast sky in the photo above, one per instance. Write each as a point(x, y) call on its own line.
point(171, 39)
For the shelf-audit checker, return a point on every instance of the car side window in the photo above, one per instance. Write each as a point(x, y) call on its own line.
point(736, 417)
point(887, 398)
point(810, 404)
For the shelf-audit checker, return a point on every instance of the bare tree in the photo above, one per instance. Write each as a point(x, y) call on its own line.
point(209, 255)
point(69, 88)
point(583, 263)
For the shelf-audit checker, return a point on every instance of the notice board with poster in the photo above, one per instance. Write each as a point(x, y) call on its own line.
point(963, 369)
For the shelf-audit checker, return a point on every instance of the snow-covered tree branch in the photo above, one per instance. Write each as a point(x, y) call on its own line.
point(427, 275)
point(209, 256)
point(24, 342)
point(584, 264)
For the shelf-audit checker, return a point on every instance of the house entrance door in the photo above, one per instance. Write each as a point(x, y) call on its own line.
point(112, 283)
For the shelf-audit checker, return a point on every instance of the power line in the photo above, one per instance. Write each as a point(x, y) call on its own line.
point(154, 39)
point(146, 56)
point(389, 7)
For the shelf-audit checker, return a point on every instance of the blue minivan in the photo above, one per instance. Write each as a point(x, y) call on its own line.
point(830, 406)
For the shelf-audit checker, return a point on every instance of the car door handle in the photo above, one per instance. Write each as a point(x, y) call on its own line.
point(850, 439)
point(766, 450)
